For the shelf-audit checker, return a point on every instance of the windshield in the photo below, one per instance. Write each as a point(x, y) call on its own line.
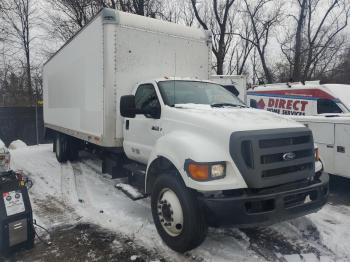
point(194, 92)
point(343, 107)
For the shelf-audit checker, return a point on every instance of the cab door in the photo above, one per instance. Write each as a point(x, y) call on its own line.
point(142, 132)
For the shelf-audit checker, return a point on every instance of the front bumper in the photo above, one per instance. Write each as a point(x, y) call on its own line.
point(266, 206)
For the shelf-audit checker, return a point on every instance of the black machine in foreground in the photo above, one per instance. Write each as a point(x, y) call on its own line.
point(16, 218)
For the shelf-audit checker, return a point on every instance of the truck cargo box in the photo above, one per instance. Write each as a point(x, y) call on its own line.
point(84, 80)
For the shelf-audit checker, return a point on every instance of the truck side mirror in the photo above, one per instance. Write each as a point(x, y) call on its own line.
point(253, 103)
point(127, 106)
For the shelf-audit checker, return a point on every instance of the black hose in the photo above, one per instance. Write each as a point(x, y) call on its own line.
point(48, 243)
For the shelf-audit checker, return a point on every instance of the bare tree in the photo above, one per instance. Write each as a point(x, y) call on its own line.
point(316, 39)
point(340, 73)
point(179, 12)
point(240, 48)
point(151, 8)
point(17, 18)
point(264, 15)
point(216, 18)
point(68, 16)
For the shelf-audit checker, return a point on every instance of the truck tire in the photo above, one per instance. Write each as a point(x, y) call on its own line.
point(54, 146)
point(176, 214)
point(73, 149)
point(61, 146)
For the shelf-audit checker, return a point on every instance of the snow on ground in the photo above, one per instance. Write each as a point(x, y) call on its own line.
point(17, 144)
point(77, 192)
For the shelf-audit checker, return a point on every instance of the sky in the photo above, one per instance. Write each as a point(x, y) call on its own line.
point(43, 45)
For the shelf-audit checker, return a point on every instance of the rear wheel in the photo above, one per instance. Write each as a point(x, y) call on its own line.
point(61, 146)
point(176, 214)
point(73, 148)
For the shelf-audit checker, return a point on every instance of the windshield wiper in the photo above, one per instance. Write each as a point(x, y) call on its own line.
point(225, 104)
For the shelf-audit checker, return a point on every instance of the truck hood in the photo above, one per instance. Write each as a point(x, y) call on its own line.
point(228, 118)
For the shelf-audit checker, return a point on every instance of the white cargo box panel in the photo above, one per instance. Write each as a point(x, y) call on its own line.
point(84, 80)
point(238, 81)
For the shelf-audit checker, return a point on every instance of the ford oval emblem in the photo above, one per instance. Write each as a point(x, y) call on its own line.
point(289, 156)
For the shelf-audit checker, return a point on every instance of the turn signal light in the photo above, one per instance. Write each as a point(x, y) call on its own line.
point(199, 171)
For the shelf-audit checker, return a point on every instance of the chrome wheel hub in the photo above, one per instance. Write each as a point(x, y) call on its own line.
point(170, 212)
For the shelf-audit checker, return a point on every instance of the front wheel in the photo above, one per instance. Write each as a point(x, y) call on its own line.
point(176, 214)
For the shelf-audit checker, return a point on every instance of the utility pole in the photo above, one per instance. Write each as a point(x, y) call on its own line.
point(36, 119)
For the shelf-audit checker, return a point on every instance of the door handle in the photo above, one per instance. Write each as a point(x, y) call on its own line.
point(155, 128)
point(330, 146)
point(340, 149)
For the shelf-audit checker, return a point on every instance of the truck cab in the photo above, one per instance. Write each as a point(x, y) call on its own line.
point(231, 164)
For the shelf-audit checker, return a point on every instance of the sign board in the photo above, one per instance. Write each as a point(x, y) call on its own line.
point(290, 101)
point(13, 202)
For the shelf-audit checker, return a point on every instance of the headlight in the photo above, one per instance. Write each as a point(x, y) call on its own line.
point(206, 171)
point(217, 170)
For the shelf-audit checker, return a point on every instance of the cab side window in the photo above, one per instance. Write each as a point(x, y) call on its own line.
point(146, 98)
point(327, 106)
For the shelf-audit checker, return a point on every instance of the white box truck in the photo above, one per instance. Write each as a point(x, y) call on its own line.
point(137, 90)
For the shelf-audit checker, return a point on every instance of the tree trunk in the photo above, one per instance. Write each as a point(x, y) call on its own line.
point(220, 58)
point(29, 76)
point(266, 69)
point(296, 75)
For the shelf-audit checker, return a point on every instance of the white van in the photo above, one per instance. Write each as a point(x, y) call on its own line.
point(298, 99)
point(332, 136)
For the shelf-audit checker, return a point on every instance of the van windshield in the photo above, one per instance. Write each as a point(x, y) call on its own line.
point(194, 92)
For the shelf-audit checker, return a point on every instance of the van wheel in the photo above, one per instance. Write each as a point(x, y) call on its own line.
point(61, 146)
point(176, 214)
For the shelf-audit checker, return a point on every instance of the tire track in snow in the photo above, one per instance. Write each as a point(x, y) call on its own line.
point(80, 184)
point(274, 245)
point(84, 202)
point(68, 186)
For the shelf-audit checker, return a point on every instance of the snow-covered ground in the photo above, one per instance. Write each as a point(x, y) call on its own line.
point(77, 192)
point(17, 144)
